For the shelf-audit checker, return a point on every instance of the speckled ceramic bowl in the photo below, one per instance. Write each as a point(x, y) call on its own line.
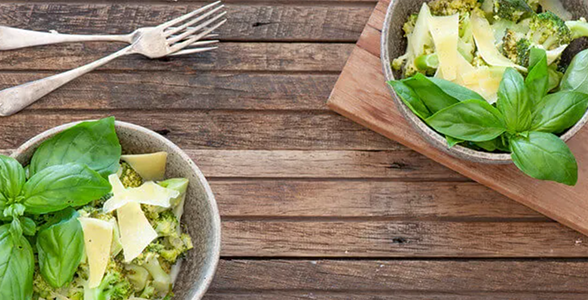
point(201, 217)
point(393, 44)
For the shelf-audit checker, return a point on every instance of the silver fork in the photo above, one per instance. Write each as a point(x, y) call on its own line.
point(169, 38)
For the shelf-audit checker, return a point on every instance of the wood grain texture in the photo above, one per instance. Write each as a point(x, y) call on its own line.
point(246, 22)
point(258, 130)
point(392, 276)
point(186, 91)
point(361, 94)
point(235, 57)
point(366, 238)
point(400, 165)
point(393, 295)
point(324, 198)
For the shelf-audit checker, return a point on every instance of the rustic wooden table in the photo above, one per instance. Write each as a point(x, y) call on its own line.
point(313, 205)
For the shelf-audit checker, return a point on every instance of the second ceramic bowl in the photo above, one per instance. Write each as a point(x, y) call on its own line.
point(201, 218)
point(393, 44)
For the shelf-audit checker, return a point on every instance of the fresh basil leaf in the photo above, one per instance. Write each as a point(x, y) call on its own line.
point(451, 141)
point(560, 111)
point(471, 120)
point(576, 76)
point(94, 144)
point(537, 81)
point(60, 248)
point(497, 144)
point(544, 156)
point(28, 226)
point(12, 177)
point(61, 186)
point(433, 96)
point(554, 79)
point(410, 98)
point(16, 266)
point(455, 90)
point(513, 101)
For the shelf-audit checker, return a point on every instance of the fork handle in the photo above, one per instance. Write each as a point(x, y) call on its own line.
point(14, 38)
point(14, 99)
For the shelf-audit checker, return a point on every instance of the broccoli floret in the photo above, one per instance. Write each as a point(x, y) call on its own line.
point(137, 275)
point(549, 31)
point(162, 280)
point(178, 247)
point(516, 47)
point(165, 224)
point(129, 177)
point(513, 10)
point(578, 28)
point(408, 27)
point(546, 31)
point(114, 286)
point(451, 7)
point(40, 287)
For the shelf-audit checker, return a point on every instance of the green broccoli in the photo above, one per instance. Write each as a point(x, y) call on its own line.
point(162, 280)
point(129, 177)
point(548, 31)
point(408, 27)
point(578, 28)
point(516, 47)
point(114, 286)
point(179, 246)
point(166, 224)
point(512, 10)
point(137, 275)
point(451, 7)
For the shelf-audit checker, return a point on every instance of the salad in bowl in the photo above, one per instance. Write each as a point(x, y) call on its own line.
point(82, 221)
point(496, 80)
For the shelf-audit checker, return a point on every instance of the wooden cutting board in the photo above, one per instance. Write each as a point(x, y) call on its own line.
point(362, 95)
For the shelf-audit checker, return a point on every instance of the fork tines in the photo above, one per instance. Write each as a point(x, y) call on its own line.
point(187, 30)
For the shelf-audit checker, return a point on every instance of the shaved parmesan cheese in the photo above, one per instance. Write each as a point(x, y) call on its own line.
point(484, 37)
point(116, 247)
point(555, 54)
point(556, 7)
point(149, 166)
point(97, 240)
point(420, 34)
point(135, 231)
point(445, 32)
point(148, 193)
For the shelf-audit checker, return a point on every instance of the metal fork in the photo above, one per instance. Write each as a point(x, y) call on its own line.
point(169, 38)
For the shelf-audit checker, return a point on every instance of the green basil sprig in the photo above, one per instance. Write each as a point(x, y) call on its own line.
point(524, 121)
point(60, 247)
point(67, 170)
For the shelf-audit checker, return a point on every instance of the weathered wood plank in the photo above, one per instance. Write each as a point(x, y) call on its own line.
point(402, 295)
point(329, 57)
point(260, 22)
point(401, 165)
point(218, 129)
point(193, 90)
point(390, 199)
point(365, 238)
point(402, 276)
